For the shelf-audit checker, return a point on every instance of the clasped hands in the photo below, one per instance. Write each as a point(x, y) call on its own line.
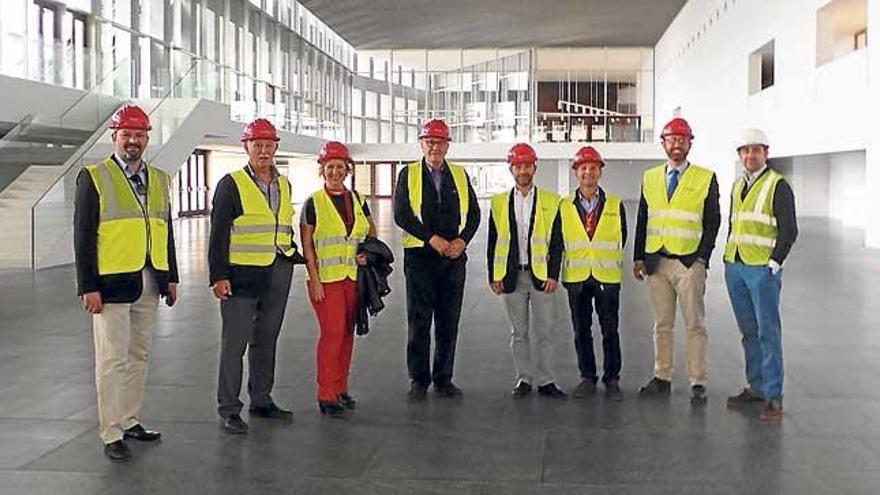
point(450, 249)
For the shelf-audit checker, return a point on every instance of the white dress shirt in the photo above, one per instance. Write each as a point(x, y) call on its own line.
point(522, 210)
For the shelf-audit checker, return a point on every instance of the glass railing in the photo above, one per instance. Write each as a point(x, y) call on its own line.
point(51, 215)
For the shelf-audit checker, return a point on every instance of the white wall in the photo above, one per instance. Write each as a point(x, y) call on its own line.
point(847, 190)
point(702, 67)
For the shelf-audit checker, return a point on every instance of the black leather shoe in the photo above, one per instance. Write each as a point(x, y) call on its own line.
point(656, 387)
point(138, 432)
point(347, 401)
point(744, 399)
point(234, 425)
point(585, 388)
point(117, 451)
point(521, 390)
point(698, 395)
point(271, 411)
point(552, 391)
point(613, 392)
point(332, 409)
point(417, 392)
point(448, 390)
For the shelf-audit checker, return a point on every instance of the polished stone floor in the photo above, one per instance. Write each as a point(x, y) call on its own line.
point(828, 442)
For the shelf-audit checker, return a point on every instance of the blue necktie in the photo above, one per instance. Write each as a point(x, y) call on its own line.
point(671, 183)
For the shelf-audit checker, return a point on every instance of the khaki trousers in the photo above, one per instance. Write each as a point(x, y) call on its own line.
point(672, 282)
point(122, 348)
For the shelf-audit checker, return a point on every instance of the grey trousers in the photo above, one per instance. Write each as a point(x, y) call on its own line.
point(520, 303)
point(252, 323)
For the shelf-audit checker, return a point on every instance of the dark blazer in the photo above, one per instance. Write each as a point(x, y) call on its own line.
point(372, 282)
point(786, 219)
point(247, 281)
point(600, 208)
point(711, 224)
point(554, 255)
point(117, 288)
point(440, 215)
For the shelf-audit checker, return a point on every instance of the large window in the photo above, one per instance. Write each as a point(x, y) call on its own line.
point(762, 68)
point(841, 28)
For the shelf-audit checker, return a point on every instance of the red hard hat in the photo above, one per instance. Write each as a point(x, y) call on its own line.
point(435, 128)
point(521, 153)
point(130, 117)
point(677, 127)
point(333, 150)
point(587, 154)
point(259, 129)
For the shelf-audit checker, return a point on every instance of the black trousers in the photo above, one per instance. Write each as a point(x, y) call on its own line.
point(434, 291)
point(252, 323)
point(581, 297)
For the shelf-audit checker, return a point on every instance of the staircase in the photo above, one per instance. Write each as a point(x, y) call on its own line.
point(16, 201)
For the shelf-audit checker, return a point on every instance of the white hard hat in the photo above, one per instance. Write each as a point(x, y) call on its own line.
point(751, 137)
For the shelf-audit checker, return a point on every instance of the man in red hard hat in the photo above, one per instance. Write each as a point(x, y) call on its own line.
point(592, 228)
point(524, 269)
point(437, 209)
point(251, 254)
point(125, 261)
point(678, 220)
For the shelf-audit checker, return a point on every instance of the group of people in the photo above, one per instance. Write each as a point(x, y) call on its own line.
point(125, 262)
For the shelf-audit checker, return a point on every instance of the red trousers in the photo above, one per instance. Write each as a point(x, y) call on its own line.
point(336, 321)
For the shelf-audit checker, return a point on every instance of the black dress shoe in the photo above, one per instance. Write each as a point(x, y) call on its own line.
point(234, 425)
point(698, 395)
point(552, 391)
point(656, 386)
point(332, 409)
point(117, 451)
point(271, 411)
point(613, 392)
point(417, 392)
point(521, 390)
point(448, 390)
point(347, 401)
point(138, 432)
point(585, 388)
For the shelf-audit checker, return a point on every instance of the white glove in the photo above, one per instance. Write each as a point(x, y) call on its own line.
point(774, 267)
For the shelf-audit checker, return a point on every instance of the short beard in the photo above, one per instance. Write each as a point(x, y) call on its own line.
point(132, 157)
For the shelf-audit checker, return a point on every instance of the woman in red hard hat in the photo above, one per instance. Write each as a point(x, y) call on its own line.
point(334, 221)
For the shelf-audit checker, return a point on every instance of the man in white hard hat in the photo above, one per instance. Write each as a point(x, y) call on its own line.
point(763, 228)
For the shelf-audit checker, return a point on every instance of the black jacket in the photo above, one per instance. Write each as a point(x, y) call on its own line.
point(711, 224)
point(786, 219)
point(247, 281)
point(372, 282)
point(117, 288)
point(554, 255)
point(556, 236)
point(438, 217)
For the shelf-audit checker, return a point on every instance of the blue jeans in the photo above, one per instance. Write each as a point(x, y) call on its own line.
point(754, 295)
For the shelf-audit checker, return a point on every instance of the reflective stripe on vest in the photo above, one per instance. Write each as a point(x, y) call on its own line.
point(414, 184)
point(601, 256)
point(675, 225)
point(257, 235)
point(128, 233)
point(336, 251)
point(752, 224)
point(546, 207)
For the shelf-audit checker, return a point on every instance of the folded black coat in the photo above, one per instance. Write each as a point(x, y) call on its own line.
point(372, 281)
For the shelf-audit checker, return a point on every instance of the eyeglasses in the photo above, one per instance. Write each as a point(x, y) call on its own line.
point(677, 139)
point(435, 144)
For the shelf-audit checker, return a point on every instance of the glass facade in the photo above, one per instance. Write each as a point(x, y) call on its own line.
point(275, 59)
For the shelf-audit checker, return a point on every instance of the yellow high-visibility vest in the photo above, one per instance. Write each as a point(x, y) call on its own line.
point(753, 227)
point(335, 249)
point(601, 256)
point(258, 234)
point(128, 233)
point(675, 225)
point(414, 184)
point(546, 207)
